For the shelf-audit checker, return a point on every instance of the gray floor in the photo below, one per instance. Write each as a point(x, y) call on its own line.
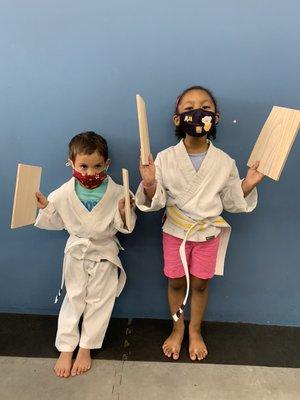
point(32, 378)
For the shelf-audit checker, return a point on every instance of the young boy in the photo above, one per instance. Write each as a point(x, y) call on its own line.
point(91, 207)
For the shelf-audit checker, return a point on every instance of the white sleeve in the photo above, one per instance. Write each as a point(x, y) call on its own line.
point(119, 224)
point(160, 197)
point(49, 218)
point(232, 195)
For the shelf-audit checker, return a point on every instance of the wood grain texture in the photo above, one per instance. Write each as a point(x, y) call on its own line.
point(275, 141)
point(25, 203)
point(143, 128)
point(127, 197)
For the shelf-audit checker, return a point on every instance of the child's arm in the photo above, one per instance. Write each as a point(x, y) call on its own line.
point(119, 218)
point(151, 194)
point(240, 195)
point(48, 217)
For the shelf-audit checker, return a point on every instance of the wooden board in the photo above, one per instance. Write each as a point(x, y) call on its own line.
point(25, 203)
point(127, 198)
point(143, 128)
point(275, 141)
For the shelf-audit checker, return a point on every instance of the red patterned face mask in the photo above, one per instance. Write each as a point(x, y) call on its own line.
point(90, 181)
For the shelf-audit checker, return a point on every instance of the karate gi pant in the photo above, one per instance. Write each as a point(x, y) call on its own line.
point(90, 291)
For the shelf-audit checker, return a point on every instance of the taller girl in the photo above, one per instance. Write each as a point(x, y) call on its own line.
point(195, 181)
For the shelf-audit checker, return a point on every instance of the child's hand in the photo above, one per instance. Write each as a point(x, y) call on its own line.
point(42, 202)
point(148, 172)
point(122, 205)
point(252, 179)
point(122, 208)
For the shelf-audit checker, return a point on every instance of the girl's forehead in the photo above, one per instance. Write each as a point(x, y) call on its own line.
point(195, 95)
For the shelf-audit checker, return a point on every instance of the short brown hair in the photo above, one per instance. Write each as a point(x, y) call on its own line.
point(87, 143)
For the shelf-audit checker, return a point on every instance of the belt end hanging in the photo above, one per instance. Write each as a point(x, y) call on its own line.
point(178, 314)
point(57, 296)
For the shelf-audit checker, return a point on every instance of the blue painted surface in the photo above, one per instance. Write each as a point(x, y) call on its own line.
point(72, 66)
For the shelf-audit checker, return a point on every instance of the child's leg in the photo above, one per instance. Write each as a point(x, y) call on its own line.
point(202, 268)
point(176, 292)
point(199, 296)
point(173, 269)
point(67, 336)
point(100, 298)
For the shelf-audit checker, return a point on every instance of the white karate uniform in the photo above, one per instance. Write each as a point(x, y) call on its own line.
point(91, 262)
point(200, 195)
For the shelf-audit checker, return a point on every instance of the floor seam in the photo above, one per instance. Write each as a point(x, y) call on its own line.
point(125, 356)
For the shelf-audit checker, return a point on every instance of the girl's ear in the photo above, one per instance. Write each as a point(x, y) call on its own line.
point(217, 118)
point(176, 119)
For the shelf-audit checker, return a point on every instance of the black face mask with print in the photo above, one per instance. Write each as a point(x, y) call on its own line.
point(197, 123)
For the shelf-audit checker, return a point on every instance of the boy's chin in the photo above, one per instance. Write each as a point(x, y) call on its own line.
point(87, 187)
point(91, 187)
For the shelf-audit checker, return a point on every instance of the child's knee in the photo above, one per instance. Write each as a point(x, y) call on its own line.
point(177, 284)
point(199, 285)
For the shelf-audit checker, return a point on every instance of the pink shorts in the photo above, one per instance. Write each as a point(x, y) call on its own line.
point(201, 257)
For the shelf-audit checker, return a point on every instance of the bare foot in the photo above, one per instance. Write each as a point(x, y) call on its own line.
point(197, 348)
point(82, 363)
point(62, 367)
point(172, 345)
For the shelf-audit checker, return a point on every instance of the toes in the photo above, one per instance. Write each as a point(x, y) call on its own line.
point(74, 370)
point(166, 351)
point(198, 355)
point(85, 368)
point(59, 372)
point(203, 354)
point(170, 352)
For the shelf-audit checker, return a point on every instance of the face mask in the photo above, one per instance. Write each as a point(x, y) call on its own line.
point(197, 123)
point(90, 181)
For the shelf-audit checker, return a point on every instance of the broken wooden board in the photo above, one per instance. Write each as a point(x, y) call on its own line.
point(25, 202)
point(143, 128)
point(275, 141)
point(127, 198)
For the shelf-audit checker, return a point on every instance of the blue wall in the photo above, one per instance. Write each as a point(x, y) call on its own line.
point(68, 66)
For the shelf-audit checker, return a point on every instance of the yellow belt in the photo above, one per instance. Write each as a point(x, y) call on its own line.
point(186, 223)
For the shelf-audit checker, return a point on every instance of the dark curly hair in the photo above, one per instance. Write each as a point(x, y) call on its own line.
point(178, 100)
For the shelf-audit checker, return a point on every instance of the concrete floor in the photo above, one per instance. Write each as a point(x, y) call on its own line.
point(32, 378)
